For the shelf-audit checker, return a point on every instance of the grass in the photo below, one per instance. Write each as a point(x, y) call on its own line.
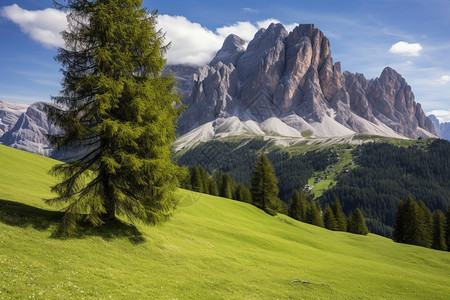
point(212, 248)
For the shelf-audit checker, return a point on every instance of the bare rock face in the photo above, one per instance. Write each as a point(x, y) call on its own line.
point(282, 74)
point(29, 131)
point(184, 75)
point(231, 51)
point(9, 114)
point(442, 129)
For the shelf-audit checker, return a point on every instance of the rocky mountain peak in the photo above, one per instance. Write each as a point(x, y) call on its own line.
point(283, 74)
point(231, 51)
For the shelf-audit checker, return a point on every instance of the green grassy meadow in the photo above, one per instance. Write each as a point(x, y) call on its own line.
point(212, 248)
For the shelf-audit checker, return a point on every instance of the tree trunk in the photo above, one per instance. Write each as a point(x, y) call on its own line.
point(110, 205)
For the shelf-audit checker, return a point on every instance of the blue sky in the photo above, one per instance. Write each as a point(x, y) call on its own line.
point(410, 36)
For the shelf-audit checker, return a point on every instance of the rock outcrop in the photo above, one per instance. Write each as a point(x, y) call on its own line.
point(9, 114)
point(292, 76)
point(442, 129)
point(29, 131)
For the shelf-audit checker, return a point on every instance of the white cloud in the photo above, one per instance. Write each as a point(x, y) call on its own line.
point(250, 10)
point(194, 44)
point(406, 49)
point(244, 30)
point(441, 115)
point(42, 26)
point(191, 43)
point(444, 79)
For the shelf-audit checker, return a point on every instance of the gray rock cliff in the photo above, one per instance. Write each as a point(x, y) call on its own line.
point(283, 73)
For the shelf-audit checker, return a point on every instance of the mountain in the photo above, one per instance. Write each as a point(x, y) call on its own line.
point(9, 113)
point(442, 129)
point(290, 79)
point(365, 172)
point(29, 127)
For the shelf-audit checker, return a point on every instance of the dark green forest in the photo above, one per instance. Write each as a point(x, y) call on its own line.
point(384, 174)
point(238, 158)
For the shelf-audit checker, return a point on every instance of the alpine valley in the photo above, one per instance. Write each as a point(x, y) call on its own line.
point(337, 134)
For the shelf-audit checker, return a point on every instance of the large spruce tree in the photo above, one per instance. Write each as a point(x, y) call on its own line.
point(263, 188)
point(116, 106)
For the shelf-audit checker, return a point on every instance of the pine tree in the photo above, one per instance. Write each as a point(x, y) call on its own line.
point(313, 215)
point(196, 180)
point(238, 192)
point(213, 189)
point(247, 196)
point(328, 219)
point(341, 219)
point(306, 205)
point(264, 189)
point(204, 176)
point(411, 229)
point(358, 223)
point(226, 186)
point(115, 103)
point(439, 225)
point(294, 206)
point(398, 232)
point(425, 232)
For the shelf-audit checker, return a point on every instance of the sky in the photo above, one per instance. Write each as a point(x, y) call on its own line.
point(411, 36)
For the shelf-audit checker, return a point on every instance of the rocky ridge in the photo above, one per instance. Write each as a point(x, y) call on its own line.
point(291, 76)
point(29, 131)
point(442, 128)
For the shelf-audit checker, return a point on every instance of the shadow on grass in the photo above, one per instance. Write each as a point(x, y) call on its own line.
point(22, 215)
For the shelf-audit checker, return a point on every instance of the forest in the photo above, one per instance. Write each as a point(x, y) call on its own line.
point(384, 174)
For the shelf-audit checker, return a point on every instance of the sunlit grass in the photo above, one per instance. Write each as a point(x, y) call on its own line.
point(212, 248)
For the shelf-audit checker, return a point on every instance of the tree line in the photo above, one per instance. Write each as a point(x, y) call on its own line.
point(332, 218)
point(263, 193)
point(416, 225)
point(386, 173)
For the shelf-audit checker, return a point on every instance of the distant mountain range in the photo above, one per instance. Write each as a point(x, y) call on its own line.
point(286, 84)
point(442, 129)
point(282, 85)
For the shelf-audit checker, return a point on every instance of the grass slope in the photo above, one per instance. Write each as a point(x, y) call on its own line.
point(213, 248)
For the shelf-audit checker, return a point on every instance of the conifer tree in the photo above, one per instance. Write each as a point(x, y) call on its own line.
point(238, 192)
point(411, 229)
point(439, 225)
point(341, 219)
point(313, 215)
point(426, 225)
point(204, 176)
point(247, 196)
point(328, 219)
point(115, 103)
point(196, 180)
point(264, 189)
point(294, 206)
point(358, 223)
point(213, 189)
point(226, 186)
point(241, 193)
point(398, 232)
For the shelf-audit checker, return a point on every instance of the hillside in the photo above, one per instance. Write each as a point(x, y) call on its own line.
point(213, 248)
point(370, 172)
